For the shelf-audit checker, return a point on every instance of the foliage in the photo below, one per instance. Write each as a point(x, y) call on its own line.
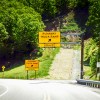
point(91, 53)
point(92, 50)
point(61, 5)
point(44, 65)
point(20, 25)
point(44, 7)
point(94, 19)
point(46, 60)
point(71, 4)
point(70, 25)
point(36, 4)
point(3, 34)
point(93, 62)
point(52, 7)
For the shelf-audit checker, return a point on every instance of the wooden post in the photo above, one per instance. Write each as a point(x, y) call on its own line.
point(27, 74)
point(82, 55)
point(35, 74)
point(98, 60)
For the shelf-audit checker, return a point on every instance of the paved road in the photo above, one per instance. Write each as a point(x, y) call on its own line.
point(44, 90)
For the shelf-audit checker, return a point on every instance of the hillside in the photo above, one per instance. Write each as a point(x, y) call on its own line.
point(22, 20)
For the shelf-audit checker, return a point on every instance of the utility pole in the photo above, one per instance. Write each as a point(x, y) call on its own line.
point(82, 55)
point(98, 60)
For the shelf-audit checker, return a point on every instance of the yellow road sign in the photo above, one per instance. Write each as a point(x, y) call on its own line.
point(31, 65)
point(3, 68)
point(49, 39)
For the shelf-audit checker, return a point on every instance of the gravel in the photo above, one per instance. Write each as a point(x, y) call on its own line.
point(61, 67)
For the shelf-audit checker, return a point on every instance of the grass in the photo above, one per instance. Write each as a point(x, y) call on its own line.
point(76, 47)
point(87, 71)
point(89, 74)
point(19, 72)
point(46, 61)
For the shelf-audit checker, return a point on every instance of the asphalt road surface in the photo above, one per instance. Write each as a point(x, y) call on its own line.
point(44, 90)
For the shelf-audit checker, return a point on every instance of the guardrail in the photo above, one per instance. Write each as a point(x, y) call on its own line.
point(90, 83)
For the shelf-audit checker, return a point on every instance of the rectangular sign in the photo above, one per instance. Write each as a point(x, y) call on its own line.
point(49, 39)
point(98, 64)
point(31, 65)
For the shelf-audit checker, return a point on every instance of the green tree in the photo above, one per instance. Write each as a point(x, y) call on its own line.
point(44, 7)
point(3, 34)
point(61, 5)
point(21, 24)
point(93, 23)
point(94, 18)
point(91, 53)
point(36, 4)
point(49, 8)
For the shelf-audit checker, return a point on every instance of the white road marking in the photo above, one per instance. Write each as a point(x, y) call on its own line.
point(5, 91)
point(46, 95)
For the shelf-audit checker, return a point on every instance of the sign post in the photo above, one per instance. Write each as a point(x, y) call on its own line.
point(49, 39)
point(35, 74)
point(82, 56)
point(27, 74)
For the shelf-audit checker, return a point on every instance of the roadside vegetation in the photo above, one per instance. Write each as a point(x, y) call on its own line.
point(19, 72)
point(91, 57)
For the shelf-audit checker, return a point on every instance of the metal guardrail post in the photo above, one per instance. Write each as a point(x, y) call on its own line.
point(90, 83)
